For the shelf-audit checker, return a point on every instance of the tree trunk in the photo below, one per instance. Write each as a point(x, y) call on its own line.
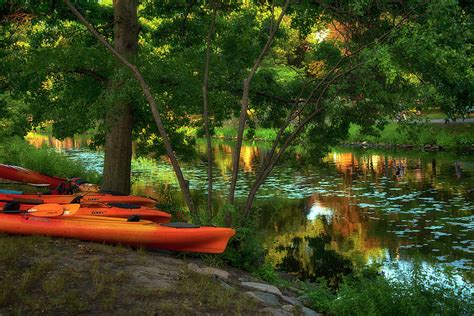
point(119, 120)
point(183, 184)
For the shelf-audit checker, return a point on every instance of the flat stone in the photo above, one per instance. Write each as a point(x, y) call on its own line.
point(225, 285)
point(148, 281)
point(194, 267)
point(288, 308)
point(276, 311)
point(263, 297)
point(292, 300)
point(262, 287)
point(309, 312)
point(221, 274)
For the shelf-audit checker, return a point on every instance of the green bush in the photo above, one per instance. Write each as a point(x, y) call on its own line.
point(377, 295)
point(16, 151)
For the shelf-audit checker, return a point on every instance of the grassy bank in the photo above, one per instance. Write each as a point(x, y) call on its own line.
point(452, 137)
point(57, 276)
point(16, 151)
point(263, 134)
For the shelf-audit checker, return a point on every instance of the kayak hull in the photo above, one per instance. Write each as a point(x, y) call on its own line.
point(19, 174)
point(119, 231)
point(87, 198)
point(104, 210)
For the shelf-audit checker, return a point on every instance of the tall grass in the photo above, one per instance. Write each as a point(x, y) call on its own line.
point(16, 151)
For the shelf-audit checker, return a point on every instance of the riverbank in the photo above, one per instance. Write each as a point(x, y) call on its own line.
point(455, 137)
point(58, 276)
point(42, 275)
point(427, 137)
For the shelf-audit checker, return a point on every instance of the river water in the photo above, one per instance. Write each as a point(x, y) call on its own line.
point(394, 209)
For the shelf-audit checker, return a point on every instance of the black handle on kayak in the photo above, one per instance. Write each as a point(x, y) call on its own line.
point(13, 212)
point(24, 201)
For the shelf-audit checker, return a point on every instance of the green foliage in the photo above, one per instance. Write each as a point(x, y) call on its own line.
point(267, 273)
point(377, 295)
point(16, 151)
point(244, 250)
point(454, 137)
point(423, 61)
point(13, 122)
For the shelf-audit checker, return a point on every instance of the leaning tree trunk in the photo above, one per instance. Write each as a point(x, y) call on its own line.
point(119, 120)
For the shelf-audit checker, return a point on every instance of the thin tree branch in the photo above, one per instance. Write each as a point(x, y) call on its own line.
point(274, 160)
point(271, 158)
point(245, 103)
point(90, 73)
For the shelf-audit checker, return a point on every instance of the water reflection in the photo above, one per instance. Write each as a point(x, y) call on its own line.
point(39, 140)
point(367, 206)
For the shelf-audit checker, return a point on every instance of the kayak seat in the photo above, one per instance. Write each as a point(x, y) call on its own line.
point(180, 225)
point(77, 199)
point(11, 206)
point(133, 218)
point(124, 205)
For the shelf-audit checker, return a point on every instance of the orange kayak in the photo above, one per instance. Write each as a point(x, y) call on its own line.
point(174, 236)
point(104, 210)
point(86, 198)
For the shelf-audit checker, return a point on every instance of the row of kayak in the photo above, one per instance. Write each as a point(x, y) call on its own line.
point(101, 217)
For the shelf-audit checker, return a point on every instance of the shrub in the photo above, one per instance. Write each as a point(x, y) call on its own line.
point(419, 294)
point(16, 151)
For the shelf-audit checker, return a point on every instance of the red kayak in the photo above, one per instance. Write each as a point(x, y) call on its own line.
point(19, 174)
point(84, 199)
point(119, 210)
point(173, 236)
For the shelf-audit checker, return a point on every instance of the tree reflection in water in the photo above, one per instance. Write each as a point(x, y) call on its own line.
point(325, 262)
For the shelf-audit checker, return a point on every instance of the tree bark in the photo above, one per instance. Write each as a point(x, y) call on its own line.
point(151, 102)
point(245, 103)
point(119, 119)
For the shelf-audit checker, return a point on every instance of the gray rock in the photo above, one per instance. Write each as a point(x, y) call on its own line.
point(225, 285)
point(194, 267)
point(148, 281)
point(288, 308)
point(276, 311)
point(221, 274)
point(292, 300)
point(262, 287)
point(309, 312)
point(263, 297)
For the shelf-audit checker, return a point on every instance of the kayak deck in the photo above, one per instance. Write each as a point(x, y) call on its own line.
point(105, 210)
point(85, 198)
point(120, 231)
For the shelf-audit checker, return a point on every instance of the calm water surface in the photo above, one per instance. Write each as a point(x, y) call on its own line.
point(373, 206)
